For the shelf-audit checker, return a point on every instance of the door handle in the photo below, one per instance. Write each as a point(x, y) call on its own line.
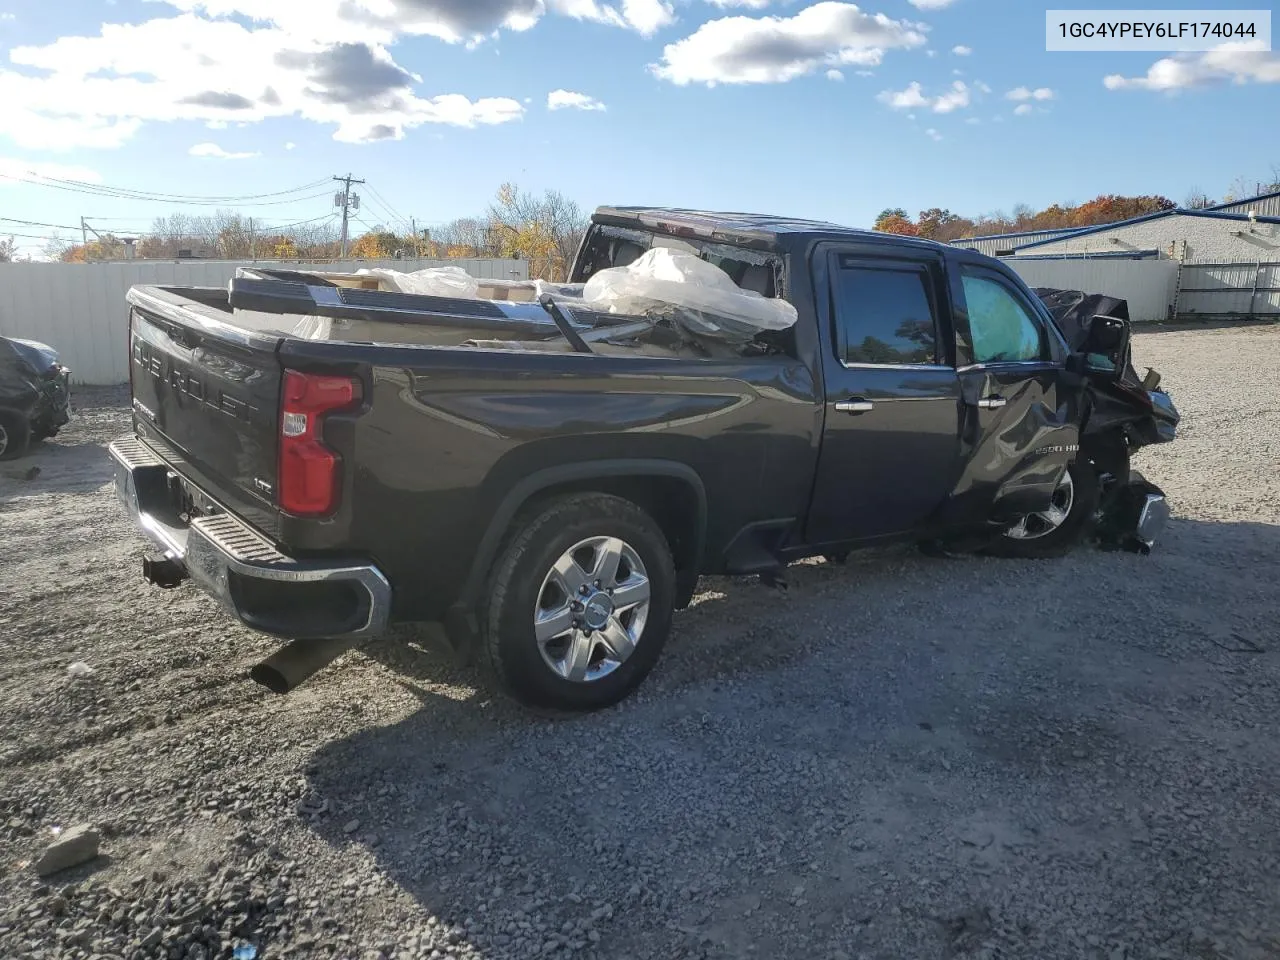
point(856, 405)
point(992, 403)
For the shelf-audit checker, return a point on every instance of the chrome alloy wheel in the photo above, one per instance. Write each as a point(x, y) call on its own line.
point(591, 609)
point(1036, 525)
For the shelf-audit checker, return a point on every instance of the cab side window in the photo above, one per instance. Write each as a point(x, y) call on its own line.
point(884, 314)
point(1001, 328)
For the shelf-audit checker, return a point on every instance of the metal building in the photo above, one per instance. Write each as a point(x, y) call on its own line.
point(1263, 205)
point(1004, 244)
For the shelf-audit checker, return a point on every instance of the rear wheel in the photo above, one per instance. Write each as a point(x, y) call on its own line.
point(15, 435)
point(580, 604)
point(1056, 530)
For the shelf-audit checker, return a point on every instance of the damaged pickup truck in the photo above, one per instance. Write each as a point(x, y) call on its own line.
point(548, 469)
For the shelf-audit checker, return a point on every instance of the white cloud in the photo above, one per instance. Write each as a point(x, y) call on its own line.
point(981, 87)
point(38, 170)
point(1022, 109)
point(453, 21)
point(931, 54)
point(865, 73)
point(89, 92)
point(960, 50)
point(956, 98)
point(290, 145)
point(912, 96)
point(8, 16)
point(569, 100)
point(1235, 62)
point(216, 124)
point(931, 4)
point(776, 49)
point(214, 151)
point(835, 75)
point(1023, 93)
point(749, 4)
point(645, 17)
point(934, 134)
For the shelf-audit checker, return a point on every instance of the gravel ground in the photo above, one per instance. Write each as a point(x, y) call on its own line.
point(898, 758)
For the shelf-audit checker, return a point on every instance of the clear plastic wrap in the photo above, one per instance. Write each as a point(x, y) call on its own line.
point(431, 282)
point(695, 294)
point(313, 328)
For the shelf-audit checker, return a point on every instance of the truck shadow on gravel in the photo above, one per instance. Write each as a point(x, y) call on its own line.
point(838, 769)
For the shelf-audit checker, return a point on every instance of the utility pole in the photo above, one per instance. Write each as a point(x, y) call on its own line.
point(348, 201)
point(85, 230)
point(417, 247)
point(253, 248)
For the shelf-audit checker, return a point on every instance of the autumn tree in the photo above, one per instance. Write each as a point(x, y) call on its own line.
point(893, 223)
point(1110, 208)
point(888, 213)
point(545, 230)
point(106, 247)
point(380, 244)
point(939, 224)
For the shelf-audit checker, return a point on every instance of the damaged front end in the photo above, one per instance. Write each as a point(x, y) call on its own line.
point(1123, 414)
point(1132, 515)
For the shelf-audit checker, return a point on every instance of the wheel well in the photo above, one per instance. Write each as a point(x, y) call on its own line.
point(672, 503)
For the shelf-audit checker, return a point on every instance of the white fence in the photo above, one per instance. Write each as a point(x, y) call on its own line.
point(79, 309)
point(1148, 285)
point(1229, 291)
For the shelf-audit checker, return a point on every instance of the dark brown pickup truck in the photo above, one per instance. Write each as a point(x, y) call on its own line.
point(550, 482)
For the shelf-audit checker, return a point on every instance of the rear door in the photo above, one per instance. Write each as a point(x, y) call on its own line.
point(1020, 420)
point(890, 443)
point(206, 395)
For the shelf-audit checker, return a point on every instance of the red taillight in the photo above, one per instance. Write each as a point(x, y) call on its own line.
point(308, 482)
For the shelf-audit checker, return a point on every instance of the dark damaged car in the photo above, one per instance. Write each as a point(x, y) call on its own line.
point(548, 470)
point(35, 395)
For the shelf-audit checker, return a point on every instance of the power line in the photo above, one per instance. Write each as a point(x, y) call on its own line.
point(174, 200)
point(132, 193)
point(35, 223)
point(390, 210)
point(330, 217)
point(389, 219)
point(30, 236)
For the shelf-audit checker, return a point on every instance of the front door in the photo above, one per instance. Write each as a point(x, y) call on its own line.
point(1020, 427)
point(890, 441)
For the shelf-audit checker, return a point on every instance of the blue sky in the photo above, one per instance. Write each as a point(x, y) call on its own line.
point(729, 104)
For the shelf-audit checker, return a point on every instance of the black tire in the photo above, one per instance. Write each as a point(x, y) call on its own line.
point(1070, 533)
point(15, 435)
point(510, 646)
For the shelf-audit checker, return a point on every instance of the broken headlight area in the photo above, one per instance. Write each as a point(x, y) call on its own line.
point(1132, 515)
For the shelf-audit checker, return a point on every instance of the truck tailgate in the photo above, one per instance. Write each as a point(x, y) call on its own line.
point(206, 396)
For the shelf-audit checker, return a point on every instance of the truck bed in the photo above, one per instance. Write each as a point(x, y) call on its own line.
point(354, 313)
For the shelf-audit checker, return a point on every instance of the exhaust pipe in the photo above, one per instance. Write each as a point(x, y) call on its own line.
point(296, 662)
point(166, 573)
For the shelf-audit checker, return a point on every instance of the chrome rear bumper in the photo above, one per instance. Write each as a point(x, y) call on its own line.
point(231, 561)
